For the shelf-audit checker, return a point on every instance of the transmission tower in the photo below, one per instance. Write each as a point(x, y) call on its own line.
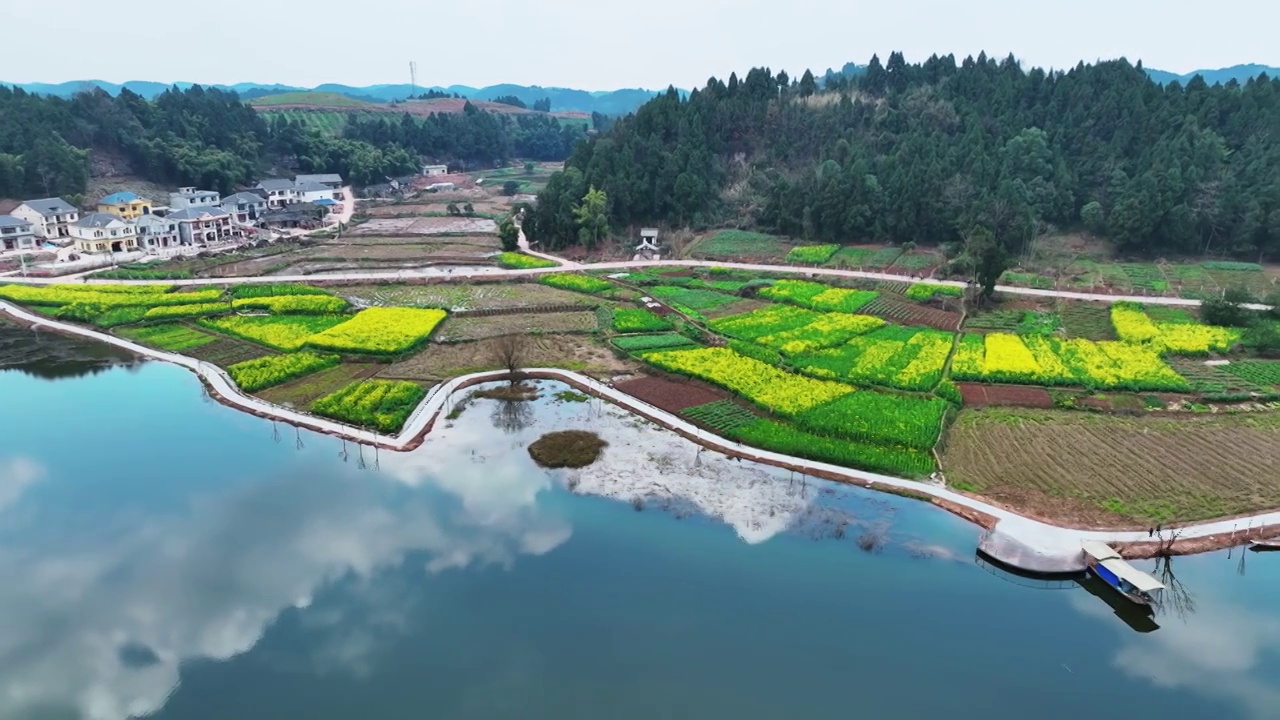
point(413, 75)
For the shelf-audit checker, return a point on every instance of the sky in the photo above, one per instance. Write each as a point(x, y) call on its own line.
point(602, 44)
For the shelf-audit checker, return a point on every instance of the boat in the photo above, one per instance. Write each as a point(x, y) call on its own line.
point(1106, 564)
point(1271, 545)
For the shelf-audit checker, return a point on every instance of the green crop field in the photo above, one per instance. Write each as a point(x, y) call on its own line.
point(326, 99)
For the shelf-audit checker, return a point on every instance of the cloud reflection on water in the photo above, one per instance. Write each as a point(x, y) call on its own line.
point(205, 584)
point(1216, 652)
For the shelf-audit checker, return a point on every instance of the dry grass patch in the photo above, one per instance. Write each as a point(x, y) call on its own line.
point(459, 329)
point(461, 296)
point(1140, 469)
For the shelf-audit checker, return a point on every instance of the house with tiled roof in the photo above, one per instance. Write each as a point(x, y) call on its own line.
point(279, 191)
point(190, 198)
point(50, 218)
point(125, 205)
point(103, 232)
point(244, 207)
point(17, 234)
point(202, 226)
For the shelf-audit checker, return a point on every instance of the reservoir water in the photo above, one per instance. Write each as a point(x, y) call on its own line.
point(162, 555)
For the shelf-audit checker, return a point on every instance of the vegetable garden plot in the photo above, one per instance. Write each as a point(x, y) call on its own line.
point(906, 313)
point(285, 333)
point(691, 298)
point(632, 320)
point(1214, 378)
point(240, 292)
point(1146, 276)
point(812, 254)
point(576, 283)
point(772, 389)
point(722, 416)
point(850, 257)
point(739, 243)
point(794, 330)
point(1262, 372)
point(380, 331)
point(1087, 321)
point(1004, 358)
point(380, 404)
point(1184, 338)
point(665, 341)
point(895, 357)
point(817, 296)
point(174, 338)
point(264, 372)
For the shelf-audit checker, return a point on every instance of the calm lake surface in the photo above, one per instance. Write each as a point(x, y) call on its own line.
point(165, 556)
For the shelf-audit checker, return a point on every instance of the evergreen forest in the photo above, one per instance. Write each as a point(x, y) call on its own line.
point(980, 154)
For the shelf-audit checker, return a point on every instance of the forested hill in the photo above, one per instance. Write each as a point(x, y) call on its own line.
point(209, 138)
point(937, 151)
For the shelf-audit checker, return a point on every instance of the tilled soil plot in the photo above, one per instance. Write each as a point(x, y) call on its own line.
point(671, 395)
point(976, 395)
point(425, 226)
point(1146, 469)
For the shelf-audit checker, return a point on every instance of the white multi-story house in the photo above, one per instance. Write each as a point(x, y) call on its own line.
point(16, 234)
point(101, 232)
point(280, 192)
point(50, 218)
point(204, 226)
point(333, 181)
point(156, 233)
point(244, 207)
point(313, 191)
point(188, 198)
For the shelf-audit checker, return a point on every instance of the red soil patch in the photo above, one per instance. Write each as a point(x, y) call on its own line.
point(976, 395)
point(670, 395)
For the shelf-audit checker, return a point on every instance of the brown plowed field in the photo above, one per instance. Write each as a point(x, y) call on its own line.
point(1108, 467)
point(670, 395)
point(976, 395)
point(907, 313)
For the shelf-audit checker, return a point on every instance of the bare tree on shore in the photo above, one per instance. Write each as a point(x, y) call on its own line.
point(511, 352)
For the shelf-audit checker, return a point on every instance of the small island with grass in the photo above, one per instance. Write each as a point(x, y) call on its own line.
point(567, 449)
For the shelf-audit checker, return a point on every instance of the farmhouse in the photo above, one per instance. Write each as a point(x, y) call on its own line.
point(191, 198)
point(103, 232)
point(280, 192)
point(313, 191)
point(203, 226)
point(435, 170)
point(298, 215)
point(244, 207)
point(156, 233)
point(333, 181)
point(50, 218)
point(125, 205)
point(16, 234)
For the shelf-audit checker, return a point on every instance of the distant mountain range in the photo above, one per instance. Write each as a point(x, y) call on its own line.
point(607, 102)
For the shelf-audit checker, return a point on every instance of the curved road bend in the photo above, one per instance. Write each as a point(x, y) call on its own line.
point(1043, 539)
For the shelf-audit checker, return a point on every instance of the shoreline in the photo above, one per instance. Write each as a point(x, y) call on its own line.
point(1041, 538)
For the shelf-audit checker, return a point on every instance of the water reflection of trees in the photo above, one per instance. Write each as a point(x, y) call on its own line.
point(512, 416)
point(51, 356)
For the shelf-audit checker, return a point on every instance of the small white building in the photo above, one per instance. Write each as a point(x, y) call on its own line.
point(103, 232)
point(435, 170)
point(189, 198)
point(333, 181)
point(17, 234)
point(313, 191)
point(50, 218)
point(156, 233)
point(244, 207)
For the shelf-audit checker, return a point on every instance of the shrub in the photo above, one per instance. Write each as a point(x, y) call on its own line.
point(566, 449)
point(264, 372)
point(380, 404)
point(380, 331)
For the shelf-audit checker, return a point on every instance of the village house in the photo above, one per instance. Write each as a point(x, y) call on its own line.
point(244, 207)
point(297, 215)
point(203, 226)
point(313, 191)
point(103, 232)
point(125, 205)
point(435, 170)
point(50, 218)
point(16, 234)
point(156, 233)
point(333, 181)
point(189, 198)
point(280, 192)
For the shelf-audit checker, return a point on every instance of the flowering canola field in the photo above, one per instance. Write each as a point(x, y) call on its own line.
point(380, 331)
point(893, 356)
point(817, 296)
point(1006, 358)
point(1135, 326)
point(794, 330)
